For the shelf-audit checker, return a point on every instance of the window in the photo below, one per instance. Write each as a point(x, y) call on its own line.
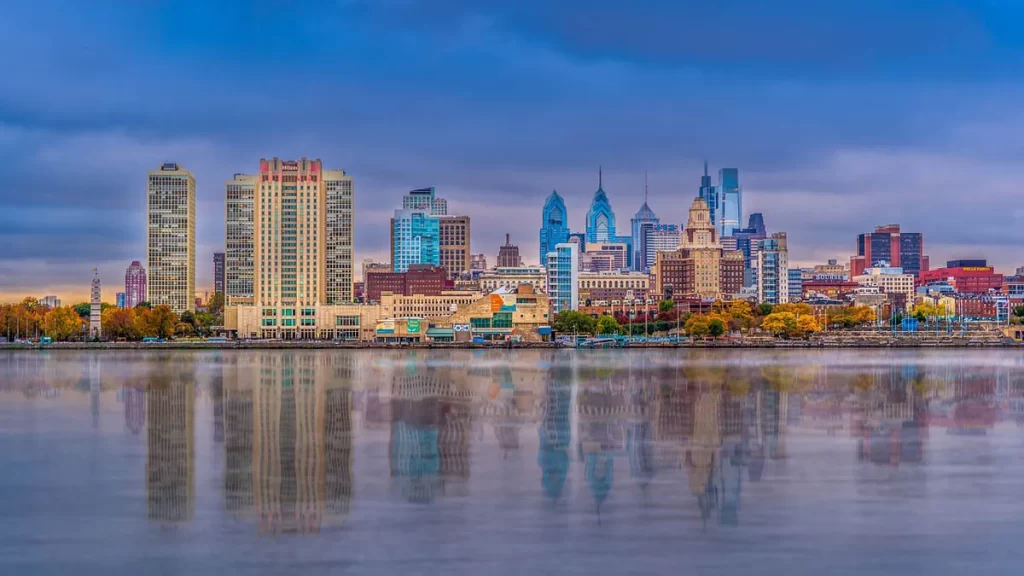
point(480, 322)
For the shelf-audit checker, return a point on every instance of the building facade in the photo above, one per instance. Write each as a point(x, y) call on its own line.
point(95, 307)
point(698, 267)
point(415, 239)
point(508, 255)
point(454, 245)
point(339, 192)
point(605, 257)
point(325, 322)
point(478, 262)
point(134, 284)
point(511, 278)
point(563, 270)
point(773, 270)
point(796, 285)
point(519, 313)
point(600, 217)
point(122, 300)
point(424, 306)
point(239, 196)
point(554, 229)
point(709, 194)
point(888, 246)
point(171, 237)
point(422, 279)
point(613, 286)
point(218, 273)
point(425, 200)
point(730, 195)
point(966, 276)
point(889, 280)
point(658, 238)
point(642, 224)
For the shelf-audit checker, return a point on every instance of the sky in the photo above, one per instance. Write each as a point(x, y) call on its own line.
point(839, 116)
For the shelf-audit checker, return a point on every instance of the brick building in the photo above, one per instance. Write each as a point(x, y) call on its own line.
point(422, 279)
point(966, 276)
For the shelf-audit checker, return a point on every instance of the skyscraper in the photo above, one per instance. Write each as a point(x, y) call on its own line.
point(709, 194)
point(122, 300)
point(338, 238)
point(95, 306)
point(425, 200)
point(699, 267)
point(134, 284)
point(289, 230)
point(659, 238)
point(508, 255)
point(600, 217)
point(238, 257)
point(454, 244)
point(773, 270)
point(554, 227)
point(887, 244)
point(644, 220)
point(746, 242)
point(171, 237)
point(415, 239)
point(563, 269)
point(730, 196)
point(218, 273)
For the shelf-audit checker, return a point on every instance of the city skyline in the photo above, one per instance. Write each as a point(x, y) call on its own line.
point(518, 103)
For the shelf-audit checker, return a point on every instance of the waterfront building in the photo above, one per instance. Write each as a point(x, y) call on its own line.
point(50, 301)
point(709, 194)
point(218, 273)
point(508, 255)
point(890, 245)
point(698, 267)
point(890, 280)
point(521, 312)
point(134, 284)
point(773, 270)
point(122, 300)
point(642, 223)
point(554, 228)
point(454, 234)
point(658, 238)
point(613, 286)
point(338, 189)
point(239, 197)
point(511, 277)
point(348, 322)
point(730, 196)
point(171, 237)
point(424, 306)
point(95, 306)
point(600, 217)
point(415, 239)
point(796, 284)
point(563, 270)
point(966, 276)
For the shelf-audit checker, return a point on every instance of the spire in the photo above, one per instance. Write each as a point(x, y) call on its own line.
point(645, 186)
point(600, 178)
point(705, 167)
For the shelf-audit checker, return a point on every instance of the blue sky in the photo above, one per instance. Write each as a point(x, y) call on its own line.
point(840, 116)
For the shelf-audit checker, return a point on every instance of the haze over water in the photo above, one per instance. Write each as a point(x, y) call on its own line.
point(512, 462)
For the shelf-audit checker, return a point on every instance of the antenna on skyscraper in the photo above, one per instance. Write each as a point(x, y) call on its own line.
point(645, 186)
point(705, 167)
point(600, 184)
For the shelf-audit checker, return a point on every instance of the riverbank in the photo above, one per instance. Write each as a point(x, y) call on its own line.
point(816, 343)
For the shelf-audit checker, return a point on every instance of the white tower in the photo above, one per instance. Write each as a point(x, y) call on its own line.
point(94, 307)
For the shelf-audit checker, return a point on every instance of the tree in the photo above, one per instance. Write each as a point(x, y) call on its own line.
point(63, 323)
point(716, 327)
point(666, 305)
point(120, 323)
point(608, 325)
point(161, 322)
point(807, 325)
point(574, 322)
point(216, 304)
point(764, 309)
point(83, 309)
point(780, 323)
point(205, 321)
point(798, 308)
point(697, 326)
point(145, 305)
point(1018, 311)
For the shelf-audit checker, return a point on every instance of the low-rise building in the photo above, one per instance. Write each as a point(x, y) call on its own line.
point(422, 279)
point(350, 322)
point(613, 286)
point(889, 280)
point(966, 276)
point(511, 277)
point(424, 306)
point(518, 314)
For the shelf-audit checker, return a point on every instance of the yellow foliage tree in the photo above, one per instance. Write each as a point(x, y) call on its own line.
point(696, 326)
point(63, 323)
point(780, 323)
point(119, 323)
point(807, 325)
point(794, 308)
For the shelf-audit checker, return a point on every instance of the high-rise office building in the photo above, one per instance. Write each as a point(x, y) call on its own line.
point(659, 238)
point(773, 270)
point(554, 229)
point(338, 239)
point(239, 226)
point(644, 220)
point(508, 255)
point(730, 196)
point(415, 239)
point(699, 267)
point(709, 194)
point(218, 273)
point(171, 237)
point(134, 284)
point(425, 200)
point(122, 300)
point(454, 244)
point(289, 231)
point(888, 245)
point(563, 269)
point(746, 242)
point(600, 217)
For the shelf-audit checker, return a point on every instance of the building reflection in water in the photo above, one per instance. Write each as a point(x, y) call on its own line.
point(170, 443)
point(288, 441)
point(555, 431)
point(431, 430)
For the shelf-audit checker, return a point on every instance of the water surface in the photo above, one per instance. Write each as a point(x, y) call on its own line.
point(512, 462)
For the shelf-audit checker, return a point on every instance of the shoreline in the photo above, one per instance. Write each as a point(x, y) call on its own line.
point(727, 345)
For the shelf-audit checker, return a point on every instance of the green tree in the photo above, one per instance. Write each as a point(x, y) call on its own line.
point(716, 328)
point(764, 309)
point(63, 323)
point(216, 304)
point(666, 305)
point(608, 325)
point(145, 305)
point(1018, 311)
point(83, 309)
point(574, 322)
point(205, 321)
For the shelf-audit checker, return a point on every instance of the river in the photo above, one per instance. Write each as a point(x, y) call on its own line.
point(512, 462)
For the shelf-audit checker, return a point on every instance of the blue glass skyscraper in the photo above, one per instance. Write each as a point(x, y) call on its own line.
point(415, 239)
point(600, 217)
point(730, 196)
point(709, 194)
point(563, 267)
point(554, 229)
point(643, 221)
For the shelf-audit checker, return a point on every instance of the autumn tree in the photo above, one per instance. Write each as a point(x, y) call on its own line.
point(160, 322)
point(780, 323)
point(697, 326)
point(807, 325)
point(120, 323)
point(63, 323)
